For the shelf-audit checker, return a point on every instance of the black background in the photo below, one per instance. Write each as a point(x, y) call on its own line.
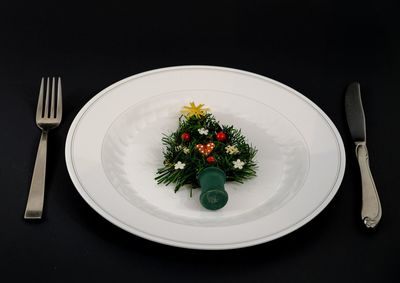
point(316, 47)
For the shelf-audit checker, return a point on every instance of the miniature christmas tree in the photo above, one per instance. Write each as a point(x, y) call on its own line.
point(202, 153)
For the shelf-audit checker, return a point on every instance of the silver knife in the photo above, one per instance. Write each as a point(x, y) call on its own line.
point(371, 211)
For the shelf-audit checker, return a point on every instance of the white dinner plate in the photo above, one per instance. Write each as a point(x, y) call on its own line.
point(114, 148)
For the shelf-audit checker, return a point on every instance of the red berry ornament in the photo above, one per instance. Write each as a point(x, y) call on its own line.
point(210, 160)
point(185, 137)
point(221, 136)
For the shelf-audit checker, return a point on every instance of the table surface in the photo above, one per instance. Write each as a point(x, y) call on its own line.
point(316, 47)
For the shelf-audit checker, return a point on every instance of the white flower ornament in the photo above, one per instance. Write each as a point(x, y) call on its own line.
point(203, 131)
point(179, 165)
point(238, 164)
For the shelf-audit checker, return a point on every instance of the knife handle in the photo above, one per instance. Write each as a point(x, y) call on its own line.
point(371, 210)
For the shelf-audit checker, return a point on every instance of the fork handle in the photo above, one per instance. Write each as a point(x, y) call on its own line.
point(371, 210)
point(34, 206)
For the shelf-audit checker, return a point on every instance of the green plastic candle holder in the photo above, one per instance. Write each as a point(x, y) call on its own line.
point(213, 195)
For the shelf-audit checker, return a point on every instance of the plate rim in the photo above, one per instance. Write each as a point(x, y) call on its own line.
point(201, 246)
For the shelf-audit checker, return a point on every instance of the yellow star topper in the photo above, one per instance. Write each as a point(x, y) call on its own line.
point(193, 110)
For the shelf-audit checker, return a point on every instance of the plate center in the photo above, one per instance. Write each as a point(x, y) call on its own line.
point(132, 153)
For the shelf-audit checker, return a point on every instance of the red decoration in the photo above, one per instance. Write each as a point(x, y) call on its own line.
point(185, 136)
point(210, 159)
point(221, 136)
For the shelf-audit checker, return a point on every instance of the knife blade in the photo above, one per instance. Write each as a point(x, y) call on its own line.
point(371, 211)
point(355, 112)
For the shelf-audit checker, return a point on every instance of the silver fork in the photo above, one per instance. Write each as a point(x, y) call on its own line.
point(48, 116)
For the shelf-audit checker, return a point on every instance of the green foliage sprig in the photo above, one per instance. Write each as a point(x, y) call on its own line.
point(178, 150)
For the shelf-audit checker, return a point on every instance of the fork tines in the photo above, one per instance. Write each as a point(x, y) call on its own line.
point(46, 108)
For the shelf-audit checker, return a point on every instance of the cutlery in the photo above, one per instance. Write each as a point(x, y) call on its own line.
point(48, 116)
point(371, 211)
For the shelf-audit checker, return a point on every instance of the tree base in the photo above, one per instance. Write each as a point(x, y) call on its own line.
point(213, 195)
